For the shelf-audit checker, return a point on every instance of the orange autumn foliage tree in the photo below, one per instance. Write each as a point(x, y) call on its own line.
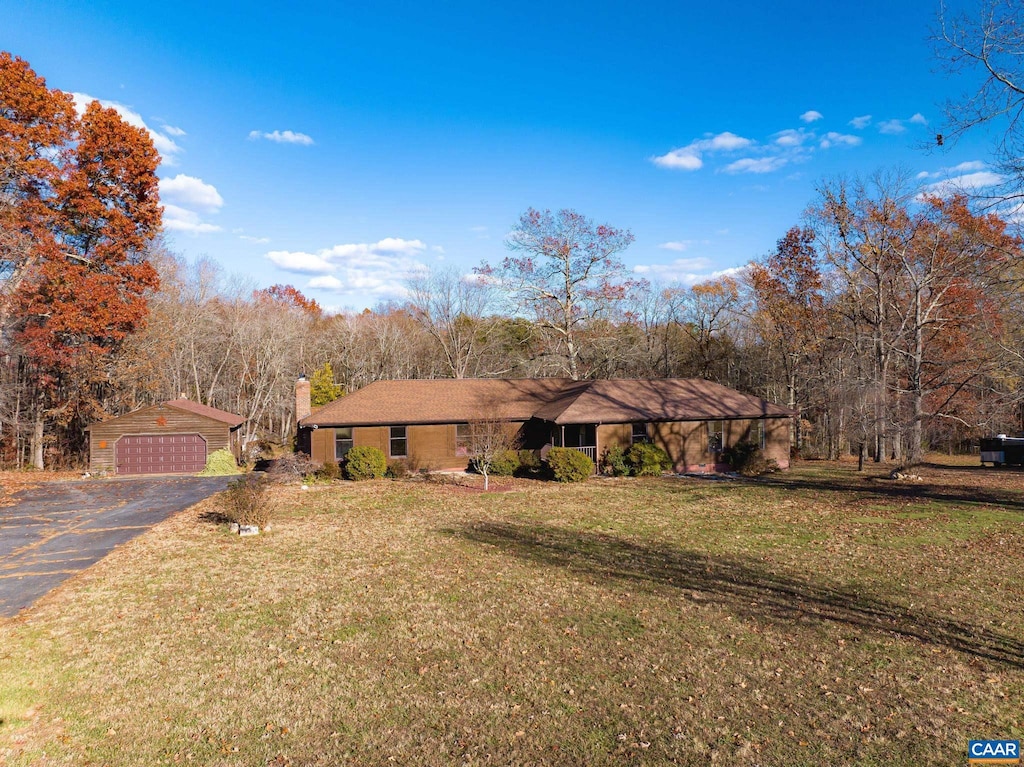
point(80, 208)
point(788, 291)
point(918, 285)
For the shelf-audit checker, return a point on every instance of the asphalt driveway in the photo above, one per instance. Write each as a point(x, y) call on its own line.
point(57, 529)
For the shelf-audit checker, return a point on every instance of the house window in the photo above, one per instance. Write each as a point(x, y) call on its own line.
point(463, 437)
point(641, 433)
point(759, 434)
point(342, 442)
point(399, 443)
point(714, 437)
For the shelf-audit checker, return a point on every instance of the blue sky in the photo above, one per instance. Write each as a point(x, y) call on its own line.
point(340, 147)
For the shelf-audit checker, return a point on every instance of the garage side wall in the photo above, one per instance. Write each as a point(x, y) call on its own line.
point(156, 420)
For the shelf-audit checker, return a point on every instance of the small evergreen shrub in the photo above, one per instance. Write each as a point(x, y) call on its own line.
point(504, 464)
point(647, 460)
point(613, 462)
point(365, 462)
point(568, 465)
point(245, 501)
point(529, 461)
point(748, 460)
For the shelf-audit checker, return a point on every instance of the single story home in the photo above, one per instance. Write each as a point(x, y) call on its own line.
point(427, 421)
point(174, 437)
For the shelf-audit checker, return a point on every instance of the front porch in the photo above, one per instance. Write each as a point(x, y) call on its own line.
point(582, 437)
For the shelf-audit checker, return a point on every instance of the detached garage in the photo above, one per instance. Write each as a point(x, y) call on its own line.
point(174, 437)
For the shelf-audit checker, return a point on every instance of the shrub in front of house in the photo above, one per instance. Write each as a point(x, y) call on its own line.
point(505, 464)
point(748, 460)
point(398, 468)
point(614, 463)
point(529, 461)
point(245, 501)
point(329, 472)
point(647, 460)
point(568, 465)
point(365, 462)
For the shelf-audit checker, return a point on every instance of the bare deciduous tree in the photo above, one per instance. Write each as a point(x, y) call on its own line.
point(987, 44)
point(487, 441)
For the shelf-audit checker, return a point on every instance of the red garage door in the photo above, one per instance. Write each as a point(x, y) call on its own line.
point(163, 454)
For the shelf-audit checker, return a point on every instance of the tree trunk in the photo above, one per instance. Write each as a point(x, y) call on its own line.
point(37, 444)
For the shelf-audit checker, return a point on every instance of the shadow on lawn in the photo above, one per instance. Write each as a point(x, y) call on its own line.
point(744, 586)
point(962, 493)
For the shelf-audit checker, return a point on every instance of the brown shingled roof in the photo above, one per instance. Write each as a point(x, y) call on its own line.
point(231, 419)
point(558, 400)
point(439, 400)
point(659, 399)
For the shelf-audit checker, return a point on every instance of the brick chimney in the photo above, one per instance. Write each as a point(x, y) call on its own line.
point(302, 398)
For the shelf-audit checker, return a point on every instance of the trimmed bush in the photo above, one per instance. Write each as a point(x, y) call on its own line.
point(245, 502)
point(568, 465)
point(504, 464)
point(748, 460)
point(647, 460)
point(613, 462)
point(220, 463)
point(365, 462)
point(529, 461)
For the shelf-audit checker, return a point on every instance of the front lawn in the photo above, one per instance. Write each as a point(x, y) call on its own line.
point(815, 617)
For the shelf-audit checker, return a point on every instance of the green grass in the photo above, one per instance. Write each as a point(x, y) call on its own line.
point(815, 617)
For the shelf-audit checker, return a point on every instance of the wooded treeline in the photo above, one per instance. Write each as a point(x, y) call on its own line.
point(889, 320)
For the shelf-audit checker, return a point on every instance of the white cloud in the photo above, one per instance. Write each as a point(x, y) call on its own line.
point(811, 115)
point(186, 199)
point(918, 119)
point(832, 139)
point(860, 123)
point(378, 270)
point(282, 137)
point(163, 142)
point(685, 271)
point(726, 142)
point(256, 240)
point(791, 137)
point(969, 182)
point(680, 159)
point(178, 219)
point(302, 263)
point(968, 167)
point(191, 192)
point(329, 282)
point(171, 130)
point(971, 166)
point(891, 127)
point(690, 156)
point(677, 246)
point(756, 165)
